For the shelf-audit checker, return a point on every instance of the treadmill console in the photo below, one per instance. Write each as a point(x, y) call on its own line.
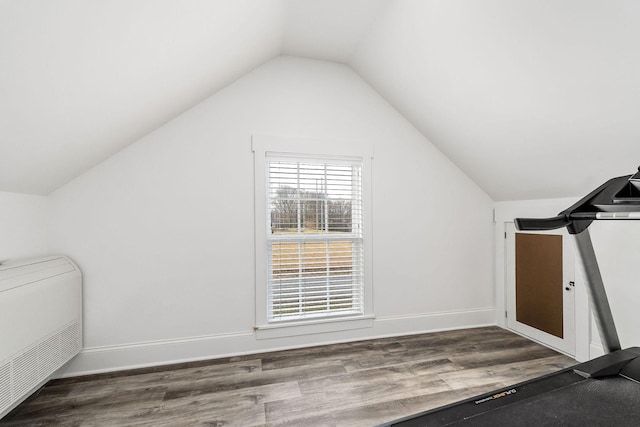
point(630, 191)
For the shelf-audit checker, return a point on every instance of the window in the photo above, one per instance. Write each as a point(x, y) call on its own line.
point(313, 240)
point(314, 237)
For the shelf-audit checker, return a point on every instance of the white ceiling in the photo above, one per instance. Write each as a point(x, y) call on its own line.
point(80, 80)
point(530, 98)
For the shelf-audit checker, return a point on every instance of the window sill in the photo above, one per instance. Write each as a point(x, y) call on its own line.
point(290, 329)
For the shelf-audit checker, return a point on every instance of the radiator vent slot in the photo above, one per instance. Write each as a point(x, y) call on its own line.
point(25, 372)
point(70, 341)
point(5, 385)
point(49, 355)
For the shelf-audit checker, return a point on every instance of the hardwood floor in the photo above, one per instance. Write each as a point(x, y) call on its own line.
point(354, 384)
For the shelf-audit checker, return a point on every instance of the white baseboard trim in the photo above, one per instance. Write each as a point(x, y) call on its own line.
point(147, 354)
point(434, 322)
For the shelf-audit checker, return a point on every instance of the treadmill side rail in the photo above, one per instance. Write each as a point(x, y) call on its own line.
point(608, 365)
point(631, 370)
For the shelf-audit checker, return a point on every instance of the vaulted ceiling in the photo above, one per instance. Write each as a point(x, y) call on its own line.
point(530, 98)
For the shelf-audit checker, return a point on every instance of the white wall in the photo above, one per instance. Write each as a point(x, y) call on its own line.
point(23, 229)
point(163, 230)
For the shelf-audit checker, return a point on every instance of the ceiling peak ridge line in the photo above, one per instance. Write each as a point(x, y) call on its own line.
point(421, 133)
point(383, 9)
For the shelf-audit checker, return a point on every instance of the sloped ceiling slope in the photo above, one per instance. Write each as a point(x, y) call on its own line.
point(531, 98)
point(80, 80)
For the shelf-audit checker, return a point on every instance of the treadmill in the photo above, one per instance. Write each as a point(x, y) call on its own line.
point(601, 392)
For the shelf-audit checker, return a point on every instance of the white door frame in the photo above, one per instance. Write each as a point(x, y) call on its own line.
point(505, 212)
point(567, 344)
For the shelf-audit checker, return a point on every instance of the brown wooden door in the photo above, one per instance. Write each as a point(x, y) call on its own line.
point(540, 297)
point(539, 287)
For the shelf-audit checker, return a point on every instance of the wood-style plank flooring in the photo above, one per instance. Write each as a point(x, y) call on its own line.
point(354, 384)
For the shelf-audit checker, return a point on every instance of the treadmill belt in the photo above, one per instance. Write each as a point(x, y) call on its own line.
point(471, 408)
point(613, 401)
point(564, 399)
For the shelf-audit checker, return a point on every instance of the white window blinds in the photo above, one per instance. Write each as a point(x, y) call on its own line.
point(314, 227)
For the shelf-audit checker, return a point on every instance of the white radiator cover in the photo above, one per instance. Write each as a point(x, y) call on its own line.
point(40, 323)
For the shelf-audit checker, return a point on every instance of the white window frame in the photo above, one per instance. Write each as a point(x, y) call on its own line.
point(310, 148)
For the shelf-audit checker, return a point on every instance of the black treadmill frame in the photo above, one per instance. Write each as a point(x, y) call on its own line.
point(616, 199)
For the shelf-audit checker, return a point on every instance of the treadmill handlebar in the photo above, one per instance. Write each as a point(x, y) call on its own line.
point(540, 224)
point(579, 216)
point(563, 220)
